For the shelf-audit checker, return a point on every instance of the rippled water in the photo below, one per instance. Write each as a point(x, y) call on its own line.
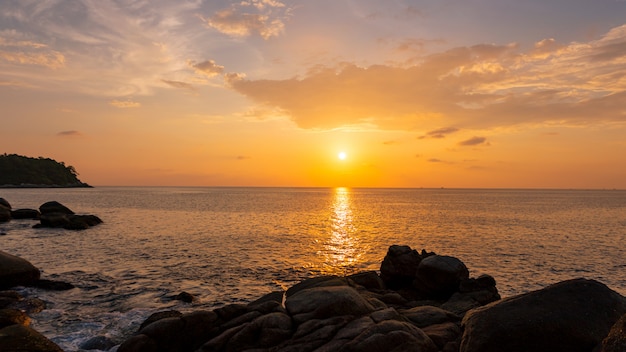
point(228, 245)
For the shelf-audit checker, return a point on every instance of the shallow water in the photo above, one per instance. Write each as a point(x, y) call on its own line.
point(227, 245)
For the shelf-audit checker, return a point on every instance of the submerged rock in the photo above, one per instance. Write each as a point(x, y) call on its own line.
point(569, 316)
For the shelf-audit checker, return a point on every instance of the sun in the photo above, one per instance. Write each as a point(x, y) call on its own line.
point(342, 155)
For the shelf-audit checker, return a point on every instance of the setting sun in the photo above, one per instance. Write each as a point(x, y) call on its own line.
point(342, 155)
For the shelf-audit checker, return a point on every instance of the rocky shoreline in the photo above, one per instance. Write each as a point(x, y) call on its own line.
point(418, 301)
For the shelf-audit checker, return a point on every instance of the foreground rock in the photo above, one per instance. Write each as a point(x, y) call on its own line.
point(421, 302)
point(354, 313)
point(570, 316)
point(616, 340)
point(15, 271)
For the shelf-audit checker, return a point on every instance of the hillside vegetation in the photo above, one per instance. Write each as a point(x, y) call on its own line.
point(22, 171)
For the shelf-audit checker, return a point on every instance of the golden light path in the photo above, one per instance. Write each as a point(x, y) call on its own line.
point(342, 247)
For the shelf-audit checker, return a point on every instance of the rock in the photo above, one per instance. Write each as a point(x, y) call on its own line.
point(616, 340)
point(443, 334)
point(326, 302)
point(321, 281)
point(53, 285)
point(428, 315)
point(369, 279)
point(5, 214)
point(184, 297)
point(439, 276)
point(13, 316)
point(21, 338)
point(572, 316)
point(391, 335)
point(54, 207)
point(25, 214)
point(263, 332)
point(15, 271)
point(102, 343)
point(5, 203)
point(158, 316)
point(54, 220)
point(184, 333)
point(82, 222)
point(68, 222)
point(399, 266)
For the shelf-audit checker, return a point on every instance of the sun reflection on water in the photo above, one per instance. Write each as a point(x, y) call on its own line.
point(341, 249)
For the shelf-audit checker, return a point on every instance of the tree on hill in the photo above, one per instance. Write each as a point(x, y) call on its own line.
point(20, 171)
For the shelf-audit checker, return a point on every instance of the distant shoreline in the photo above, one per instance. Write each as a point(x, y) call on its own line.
point(27, 185)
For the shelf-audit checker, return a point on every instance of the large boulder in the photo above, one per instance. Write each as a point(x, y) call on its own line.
point(326, 302)
point(439, 276)
point(399, 266)
point(15, 271)
point(570, 316)
point(616, 340)
point(54, 207)
point(20, 338)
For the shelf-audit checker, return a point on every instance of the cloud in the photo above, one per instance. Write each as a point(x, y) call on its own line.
point(439, 133)
point(25, 52)
point(123, 104)
point(178, 84)
point(69, 134)
point(474, 141)
point(208, 68)
point(242, 157)
point(263, 17)
point(475, 87)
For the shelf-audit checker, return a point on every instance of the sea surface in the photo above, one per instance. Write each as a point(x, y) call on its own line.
point(229, 245)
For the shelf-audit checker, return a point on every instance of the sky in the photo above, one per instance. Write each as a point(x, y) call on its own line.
point(430, 93)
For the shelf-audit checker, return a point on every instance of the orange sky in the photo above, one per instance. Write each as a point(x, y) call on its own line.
point(267, 93)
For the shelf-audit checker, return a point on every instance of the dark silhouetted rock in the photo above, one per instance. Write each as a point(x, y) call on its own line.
point(101, 343)
point(263, 332)
point(184, 333)
point(19, 338)
point(616, 340)
point(68, 222)
point(569, 316)
point(326, 302)
point(5, 203)
point(184, 297)
point(53, 285)
point(5, 213)
point(368, 279)
point(160, 315)
point(440, 276)
point(15, 271)
point(428, 315)
point(25, 214)
point(54, 207)
point(399, 266)
point(321, 281)
point(391, 335)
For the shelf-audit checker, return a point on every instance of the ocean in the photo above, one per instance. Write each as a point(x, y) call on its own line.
point(233, 245)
